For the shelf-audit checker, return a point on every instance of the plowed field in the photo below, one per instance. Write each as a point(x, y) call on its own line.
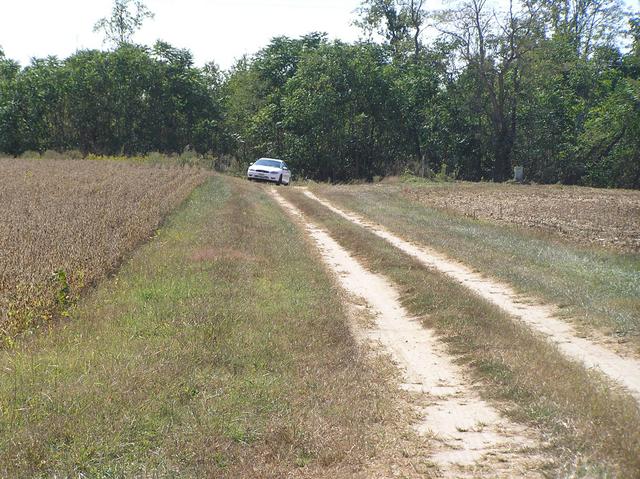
point(610, 218)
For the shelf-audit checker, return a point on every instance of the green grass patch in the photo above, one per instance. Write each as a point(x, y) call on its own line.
point(220, 349)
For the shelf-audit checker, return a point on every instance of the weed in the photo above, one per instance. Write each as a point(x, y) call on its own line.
point(233, 364)
point(598, 289)
point(591, 423)
point(63, 291)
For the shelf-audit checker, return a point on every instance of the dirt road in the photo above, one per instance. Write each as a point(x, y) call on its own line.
point(541, 318)
point(469, 437)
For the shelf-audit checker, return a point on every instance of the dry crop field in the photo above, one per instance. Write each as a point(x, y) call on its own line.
point(65, 224)
point(609, 218)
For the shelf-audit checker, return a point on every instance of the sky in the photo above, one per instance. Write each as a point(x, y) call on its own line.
point(214, 30)
point(218, 30)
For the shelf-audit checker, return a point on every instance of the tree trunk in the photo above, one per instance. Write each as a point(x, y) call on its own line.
point(502, 152)
point(424, 164)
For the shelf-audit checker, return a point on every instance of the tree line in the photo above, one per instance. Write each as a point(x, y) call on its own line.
point(550, 85)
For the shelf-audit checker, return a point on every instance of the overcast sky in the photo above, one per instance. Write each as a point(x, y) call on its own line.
point(218, 30)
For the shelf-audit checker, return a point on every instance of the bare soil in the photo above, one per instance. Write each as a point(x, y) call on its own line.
point(467, 436)
point(609, 218)
point(541, 318)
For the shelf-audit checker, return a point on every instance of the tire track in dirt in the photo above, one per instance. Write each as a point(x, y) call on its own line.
point(469, 438)
point(541, 318)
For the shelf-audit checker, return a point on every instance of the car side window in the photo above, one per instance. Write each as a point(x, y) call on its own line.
point(284, 166)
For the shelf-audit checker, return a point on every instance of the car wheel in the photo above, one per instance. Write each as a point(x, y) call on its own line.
point(279, 181)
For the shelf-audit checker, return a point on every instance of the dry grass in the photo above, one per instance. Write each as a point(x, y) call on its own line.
point(65, 224)
point(597, 289)
point(593, 429)
point(609, 218)
point(220, 349)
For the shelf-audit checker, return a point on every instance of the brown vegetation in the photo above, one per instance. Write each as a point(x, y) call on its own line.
point(596, 288)
point(591, 426)
point(65, 224)
point(588, 215)
point(216, 367)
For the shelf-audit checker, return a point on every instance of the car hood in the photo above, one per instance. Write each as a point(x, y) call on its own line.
point(269, 169)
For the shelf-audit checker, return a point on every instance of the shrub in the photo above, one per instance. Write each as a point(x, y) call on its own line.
point(53, 155)
point(30, 154)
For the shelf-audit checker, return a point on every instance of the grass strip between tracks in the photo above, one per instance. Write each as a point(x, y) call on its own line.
point(596, 289)
point(592, 428)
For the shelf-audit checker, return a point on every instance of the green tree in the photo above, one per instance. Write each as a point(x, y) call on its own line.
point(585, 25)
point(610, 143)
point(631, 62)
point(40, 94)
point(9, 115)
point(254, 94)
point(127, 17)
point(400, 22)
point(338, 113)
point(494, 52)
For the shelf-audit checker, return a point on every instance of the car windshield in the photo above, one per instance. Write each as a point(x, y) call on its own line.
point(273, 163)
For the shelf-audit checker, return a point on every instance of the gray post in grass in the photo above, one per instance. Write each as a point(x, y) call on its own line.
point(518, 174)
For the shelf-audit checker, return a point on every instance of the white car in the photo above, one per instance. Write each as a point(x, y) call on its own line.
point(269, 169)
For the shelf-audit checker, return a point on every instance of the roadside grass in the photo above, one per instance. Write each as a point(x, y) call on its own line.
point(593, 429)
point(220, 349)
point(593, 287)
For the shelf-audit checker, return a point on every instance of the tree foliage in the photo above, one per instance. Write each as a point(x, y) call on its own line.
point(127, 101)
point(551, 85)
point(127, 17)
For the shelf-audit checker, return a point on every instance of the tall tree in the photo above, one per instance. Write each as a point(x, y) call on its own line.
point(10, 140)
point(400, 22)
point(493, 48)
point(127, 17)
point(584, 24)
point(255, 89)
point(632, 59)
point(338, 113)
